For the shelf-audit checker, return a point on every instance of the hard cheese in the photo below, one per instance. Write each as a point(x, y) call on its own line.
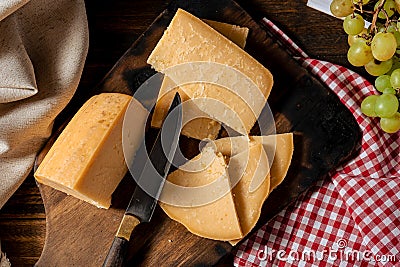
point(284, 148)
point(250, 168)
point(87, 159)
point(248, 175)
point(199, 127)
point(235, 33)
point(216, 220)
point(279, 149)
point(188, 40)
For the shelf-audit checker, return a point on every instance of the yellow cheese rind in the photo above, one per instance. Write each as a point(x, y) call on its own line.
point(200, 127)
point(189, 40)
point(253, 187)
point(216, 220)
point(87, 159)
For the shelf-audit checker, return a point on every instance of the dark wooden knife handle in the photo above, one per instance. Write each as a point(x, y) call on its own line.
point(116, 254)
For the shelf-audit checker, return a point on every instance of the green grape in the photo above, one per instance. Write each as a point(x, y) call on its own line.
point(351, 39)
point(368, 105)
point(389, 90)
point(396, 35)
point(341, 8)
point(359, 54)
point(389, 6)
point(382, 82)
point(386, 105)
point(391, 28)
point(395, 78)
point(383, 46)
point(396, 64)
point(382, 29)
point(377, 68)
point(353, 24)
point(392, 124)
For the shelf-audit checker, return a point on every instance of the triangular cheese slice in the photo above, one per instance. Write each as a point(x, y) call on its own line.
point(200, 127)
point(279, 149)
point(215, 220)
point(196, 124)
point(187, 40)
point(283, 155)
point(251, 169)
point(231, 146)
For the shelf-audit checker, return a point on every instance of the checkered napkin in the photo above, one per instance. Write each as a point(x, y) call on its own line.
point(350, 219)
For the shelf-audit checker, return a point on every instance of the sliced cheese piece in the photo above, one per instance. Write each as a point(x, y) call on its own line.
point(87, 159)
point(235, 33)
point(215, 220)
point(199, 126)
point(279, 149)
point(284, 148)
point(230, 146)
point(238, 81)
point(196, 124)
point(250, 168)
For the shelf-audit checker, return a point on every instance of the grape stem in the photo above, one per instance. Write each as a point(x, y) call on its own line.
point(364, 11)
point(375, 17)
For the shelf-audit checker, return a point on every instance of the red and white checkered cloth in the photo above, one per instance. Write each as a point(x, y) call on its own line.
point(351, 219)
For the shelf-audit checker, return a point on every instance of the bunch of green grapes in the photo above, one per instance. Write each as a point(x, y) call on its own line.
point(377, 48)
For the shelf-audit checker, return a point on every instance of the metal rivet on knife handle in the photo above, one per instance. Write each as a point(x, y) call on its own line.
point(126, 227)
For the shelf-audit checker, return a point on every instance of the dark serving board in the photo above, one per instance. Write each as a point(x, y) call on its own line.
point(326, 135)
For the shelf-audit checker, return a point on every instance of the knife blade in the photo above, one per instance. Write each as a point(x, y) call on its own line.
point(150, 183)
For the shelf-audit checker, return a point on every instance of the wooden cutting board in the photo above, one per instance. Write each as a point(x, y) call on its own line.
point(326, 135)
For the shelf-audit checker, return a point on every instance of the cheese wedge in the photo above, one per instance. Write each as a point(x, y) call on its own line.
point(239, 82)
point(250, 168)
point(87, 160)
point(215, 220)
point(199, 126)
point(279, 149)
point(235, 33)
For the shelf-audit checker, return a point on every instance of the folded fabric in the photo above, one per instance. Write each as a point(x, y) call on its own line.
point(43, 46)
point(355, 215)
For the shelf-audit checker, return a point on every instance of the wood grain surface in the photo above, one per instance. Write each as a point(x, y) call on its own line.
point(114, 25)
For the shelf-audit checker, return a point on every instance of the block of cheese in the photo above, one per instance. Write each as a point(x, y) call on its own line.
point(236, 80)
point(215, 220)
point(199, 127)
point(279, 149)
point(87, 159)
point(251, 169)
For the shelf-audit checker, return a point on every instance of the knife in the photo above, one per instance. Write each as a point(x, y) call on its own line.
point(153, 174)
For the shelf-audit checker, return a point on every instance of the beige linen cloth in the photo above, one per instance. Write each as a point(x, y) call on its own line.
point(43, 47)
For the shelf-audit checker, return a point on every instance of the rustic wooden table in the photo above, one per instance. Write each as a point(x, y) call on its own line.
point(114, 25)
